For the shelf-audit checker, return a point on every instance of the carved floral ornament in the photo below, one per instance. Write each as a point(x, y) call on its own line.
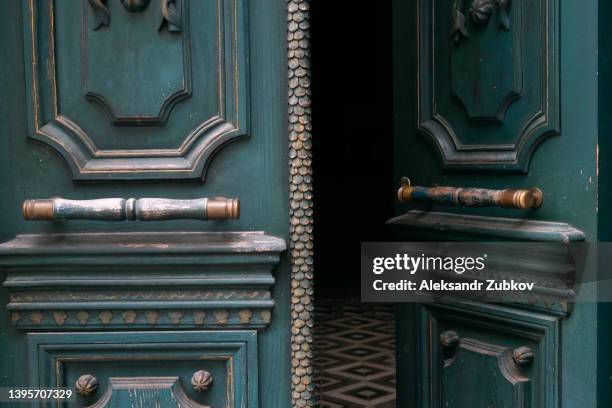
point(480, 12)
point(169, 13)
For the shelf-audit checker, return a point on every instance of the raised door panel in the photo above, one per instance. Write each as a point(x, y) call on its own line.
point(184, 369)
point(487, 356)
point(488, 80)
point(136, 89)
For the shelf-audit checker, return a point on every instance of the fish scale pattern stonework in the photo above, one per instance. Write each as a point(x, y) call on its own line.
point(300, 167)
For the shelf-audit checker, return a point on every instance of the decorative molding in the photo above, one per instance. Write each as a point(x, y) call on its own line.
point(47, 290)
point(481, 11)
point(458, 30)
point(488, 121)
point(487, 323)
point(181, 93)
point(504, 14)
point(114, 318)
point(81, 149)
point(522, 356)
point(201, 380)
point(86, 385)
point(517, 381)
point(230, 355)
point(101, 13)
point(170, 16)
point(449, 339)
point(552, 262)
point(169, 12)
point(300, 203)
point(507, 228)
point(164, 390)
point(468, 85)
point(135, 5)
point(89, 295)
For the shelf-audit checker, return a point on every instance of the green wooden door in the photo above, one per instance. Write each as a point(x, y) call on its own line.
point(499, 95)
point(166, 99)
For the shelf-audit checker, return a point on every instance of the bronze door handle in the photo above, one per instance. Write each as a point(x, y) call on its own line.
point(142, 209)
point(471, 197)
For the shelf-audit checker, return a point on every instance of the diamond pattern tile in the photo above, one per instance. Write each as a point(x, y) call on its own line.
point(355, 356)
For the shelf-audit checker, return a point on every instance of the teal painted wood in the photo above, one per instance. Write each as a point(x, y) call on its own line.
point(443, 225)
point(488, 98)
point(488, 337)
point(604, 310)
point(150, 103)
point(145, 359)
point(141, 392)
point(134, 280)
point(564, 168)
point(486, 94)
point(499, 380)
point(31, 170)
point(151, 99)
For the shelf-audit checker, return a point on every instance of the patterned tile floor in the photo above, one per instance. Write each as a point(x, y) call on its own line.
point(355, 356)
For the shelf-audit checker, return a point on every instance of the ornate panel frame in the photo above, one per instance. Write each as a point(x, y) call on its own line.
point(89, 162)
point(534, 328)
point(169, 101)
point(49, 354)
point(541, 123)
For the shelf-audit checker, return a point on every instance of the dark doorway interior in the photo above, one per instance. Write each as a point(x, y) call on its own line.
point(353, 147)
point(354, 191)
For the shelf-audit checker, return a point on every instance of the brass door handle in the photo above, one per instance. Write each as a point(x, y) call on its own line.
point(470, 197)
point(142, 209)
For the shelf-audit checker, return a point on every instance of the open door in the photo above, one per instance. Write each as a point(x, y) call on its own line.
point(498, 95)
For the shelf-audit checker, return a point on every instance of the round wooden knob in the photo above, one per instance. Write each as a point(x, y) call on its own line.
point(449, 339)
point(522, 356)
point(201, 380)
point(86, 385)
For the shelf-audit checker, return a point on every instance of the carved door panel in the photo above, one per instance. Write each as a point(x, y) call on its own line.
point(496, 127)
point(137, 253)
point(132, 90)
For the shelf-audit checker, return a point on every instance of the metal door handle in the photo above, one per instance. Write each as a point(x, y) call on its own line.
point(120, 209)
point(470, 197)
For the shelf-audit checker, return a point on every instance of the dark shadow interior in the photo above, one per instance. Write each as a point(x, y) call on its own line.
point(354, 192)
point(353, 146)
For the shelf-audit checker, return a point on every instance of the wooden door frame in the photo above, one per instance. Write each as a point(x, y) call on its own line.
point(300, 202)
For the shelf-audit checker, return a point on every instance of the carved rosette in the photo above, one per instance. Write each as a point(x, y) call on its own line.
point(201, 380)
point(135, 5)
point(481, 11)
point(449, 339)
point(522, 356)
point(300, 178)
point(86, 385)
